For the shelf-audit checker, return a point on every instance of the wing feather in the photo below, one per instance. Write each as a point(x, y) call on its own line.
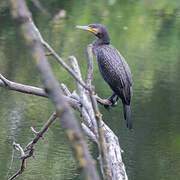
point(115, 71)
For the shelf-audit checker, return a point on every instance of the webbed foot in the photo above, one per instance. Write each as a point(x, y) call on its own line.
point(113, 99)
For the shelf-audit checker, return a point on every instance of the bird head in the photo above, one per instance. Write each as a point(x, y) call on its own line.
point(98, 30)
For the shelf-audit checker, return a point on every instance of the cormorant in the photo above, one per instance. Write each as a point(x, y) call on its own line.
point(113, 68)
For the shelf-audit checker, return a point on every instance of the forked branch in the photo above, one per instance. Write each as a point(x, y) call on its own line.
point(30, 146)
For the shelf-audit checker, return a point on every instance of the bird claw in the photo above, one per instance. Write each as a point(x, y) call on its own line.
point(113, 104)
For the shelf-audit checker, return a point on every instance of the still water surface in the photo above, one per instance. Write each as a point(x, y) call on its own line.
point(147, 33)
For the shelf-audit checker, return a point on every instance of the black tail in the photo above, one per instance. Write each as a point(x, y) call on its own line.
point(127, 115)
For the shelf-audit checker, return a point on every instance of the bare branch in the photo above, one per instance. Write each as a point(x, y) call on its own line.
point(39, 134)
point(23, 158)
point(21, 87)
point(102, 101)
point(20, 171)
point(89, 133)
point(69, 123)
point(90, 66)
point(57, 57)
point(5, 83)
point(87, 119)
point(65, 90)
point(34, 131)
point(86, 105)
point(19, 148)
point(30, 146)
point(74, 95)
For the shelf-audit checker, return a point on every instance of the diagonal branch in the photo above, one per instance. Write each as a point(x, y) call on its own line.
point(56, 56)
point(86, 105)
point(89, 133)
point(69, 123)
point(30, 146)
point(23, 158)
point(10, 85)
point(41, 132)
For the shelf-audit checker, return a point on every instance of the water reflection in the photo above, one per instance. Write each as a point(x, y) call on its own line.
point(147, 34)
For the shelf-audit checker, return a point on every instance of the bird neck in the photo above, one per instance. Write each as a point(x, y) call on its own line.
point(102, 41)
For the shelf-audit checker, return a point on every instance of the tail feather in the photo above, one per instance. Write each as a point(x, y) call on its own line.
point(127, 115)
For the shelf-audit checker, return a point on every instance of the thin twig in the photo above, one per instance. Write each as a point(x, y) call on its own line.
point(57, 57)
point(4, 82)
point(39, 134)
point(30, 145)
point(34, 131)
point(23, 162)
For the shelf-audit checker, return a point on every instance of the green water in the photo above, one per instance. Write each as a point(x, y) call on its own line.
point(147, 33)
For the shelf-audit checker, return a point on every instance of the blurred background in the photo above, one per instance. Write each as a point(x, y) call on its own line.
point(147, 33)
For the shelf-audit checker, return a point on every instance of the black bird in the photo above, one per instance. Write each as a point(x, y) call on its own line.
point(113, 68)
